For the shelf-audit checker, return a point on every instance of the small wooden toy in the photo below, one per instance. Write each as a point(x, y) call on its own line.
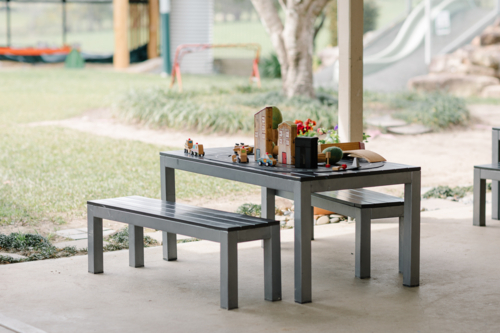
point(242, 157)
point(267, 160)
point(188, 145)
point(306, 152)
point(368, 155)
point(197, 150)
point(339, 168)
point(327, 159)
point(287, 133)
point(263, 131)
point(239, 146)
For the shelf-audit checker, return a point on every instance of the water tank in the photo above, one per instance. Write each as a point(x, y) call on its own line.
point(191, 22)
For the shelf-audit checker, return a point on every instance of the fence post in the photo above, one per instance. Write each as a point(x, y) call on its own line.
point(165, 35)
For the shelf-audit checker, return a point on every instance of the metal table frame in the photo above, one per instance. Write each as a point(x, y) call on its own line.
point(302, 188)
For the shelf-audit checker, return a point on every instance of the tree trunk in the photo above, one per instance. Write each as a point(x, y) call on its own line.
point(293, 41)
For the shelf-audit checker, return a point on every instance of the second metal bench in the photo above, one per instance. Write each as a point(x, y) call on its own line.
point(228, 229)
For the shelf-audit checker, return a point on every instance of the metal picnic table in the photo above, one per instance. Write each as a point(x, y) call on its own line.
point(301, 183)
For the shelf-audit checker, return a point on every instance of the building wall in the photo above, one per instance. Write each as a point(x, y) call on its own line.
point(286, 142)
point(263, 127)
point(191, 22)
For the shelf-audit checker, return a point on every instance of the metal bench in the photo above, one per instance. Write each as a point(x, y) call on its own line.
point(364, 205)
point(228, 229)
point(481, 173)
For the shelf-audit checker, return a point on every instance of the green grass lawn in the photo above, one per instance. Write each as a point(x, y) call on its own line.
point(48, 173)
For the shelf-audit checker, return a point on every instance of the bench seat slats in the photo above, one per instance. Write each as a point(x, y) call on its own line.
point(198, 212)
point(361, 198)
point(191, 212)
point(183, 213)
point(205, 211)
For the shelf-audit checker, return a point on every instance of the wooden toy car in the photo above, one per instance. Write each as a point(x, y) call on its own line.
point(197, 150)
point(188, 145)
point(239, 146)
point(242, 157)
point(268, 160)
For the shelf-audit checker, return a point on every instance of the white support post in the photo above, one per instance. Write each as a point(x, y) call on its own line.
point(428, 33)
point(350, 37)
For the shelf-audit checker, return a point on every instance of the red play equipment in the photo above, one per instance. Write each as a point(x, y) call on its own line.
point(184, 49)
point(30, 51)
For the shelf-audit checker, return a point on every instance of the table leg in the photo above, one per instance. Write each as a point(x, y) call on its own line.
point(411, 232)
point(303, 216)
point(479, 205)
point(168, 194)
point(267, 204)
point(495, 188)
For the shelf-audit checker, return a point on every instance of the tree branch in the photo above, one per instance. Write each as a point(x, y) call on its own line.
point(269, 17)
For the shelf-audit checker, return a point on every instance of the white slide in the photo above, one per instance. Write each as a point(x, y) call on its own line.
point(410, 36)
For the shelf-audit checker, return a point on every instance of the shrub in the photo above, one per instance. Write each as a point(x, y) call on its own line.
point(436, 110)
point(270, 67)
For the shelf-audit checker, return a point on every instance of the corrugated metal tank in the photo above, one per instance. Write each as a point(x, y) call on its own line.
point(191, 22)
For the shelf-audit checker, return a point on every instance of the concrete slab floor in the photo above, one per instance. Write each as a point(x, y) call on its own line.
point(459, 289)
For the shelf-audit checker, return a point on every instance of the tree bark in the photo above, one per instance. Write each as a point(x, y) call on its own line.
point(292, 41)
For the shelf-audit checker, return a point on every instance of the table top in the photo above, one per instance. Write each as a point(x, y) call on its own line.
point(494, 166)
point(221, 157)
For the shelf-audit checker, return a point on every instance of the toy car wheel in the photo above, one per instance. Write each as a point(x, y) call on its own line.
point(195, 154)
point(202, 154)
point(260, 163)
point(268, 164)
point(185, 151)
point(239, 160)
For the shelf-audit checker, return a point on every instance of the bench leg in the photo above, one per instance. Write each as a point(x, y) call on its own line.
point(95, 243)
point(229, 270)
point(272, 266)
point(495, 200)
point(169, 246)
point(363, 240)
point(479, 215)
point(136, 246)
point(400, 252)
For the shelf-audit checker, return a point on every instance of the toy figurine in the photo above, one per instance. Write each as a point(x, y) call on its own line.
point(242, 157)
point(197, 150)
point(327, 165)
point(268, 160)
point(188, 145)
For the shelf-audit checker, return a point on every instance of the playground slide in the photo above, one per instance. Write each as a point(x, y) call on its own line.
point(410, 36)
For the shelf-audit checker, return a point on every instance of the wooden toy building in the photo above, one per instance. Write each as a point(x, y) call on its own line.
point(287, 132)
point(263, 123)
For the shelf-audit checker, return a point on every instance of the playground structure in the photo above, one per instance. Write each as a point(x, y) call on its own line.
point(136, 27)
point(184, 49)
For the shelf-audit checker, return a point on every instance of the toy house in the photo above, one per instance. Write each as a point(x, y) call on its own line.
point(263, 128)
point(287, 132)
point(306, 152)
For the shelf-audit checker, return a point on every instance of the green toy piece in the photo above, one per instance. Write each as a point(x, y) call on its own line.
point(336, 154)
point(277, 117)
point(74, 60)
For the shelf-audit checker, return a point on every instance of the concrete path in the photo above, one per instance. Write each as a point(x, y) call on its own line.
point(458, 293)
